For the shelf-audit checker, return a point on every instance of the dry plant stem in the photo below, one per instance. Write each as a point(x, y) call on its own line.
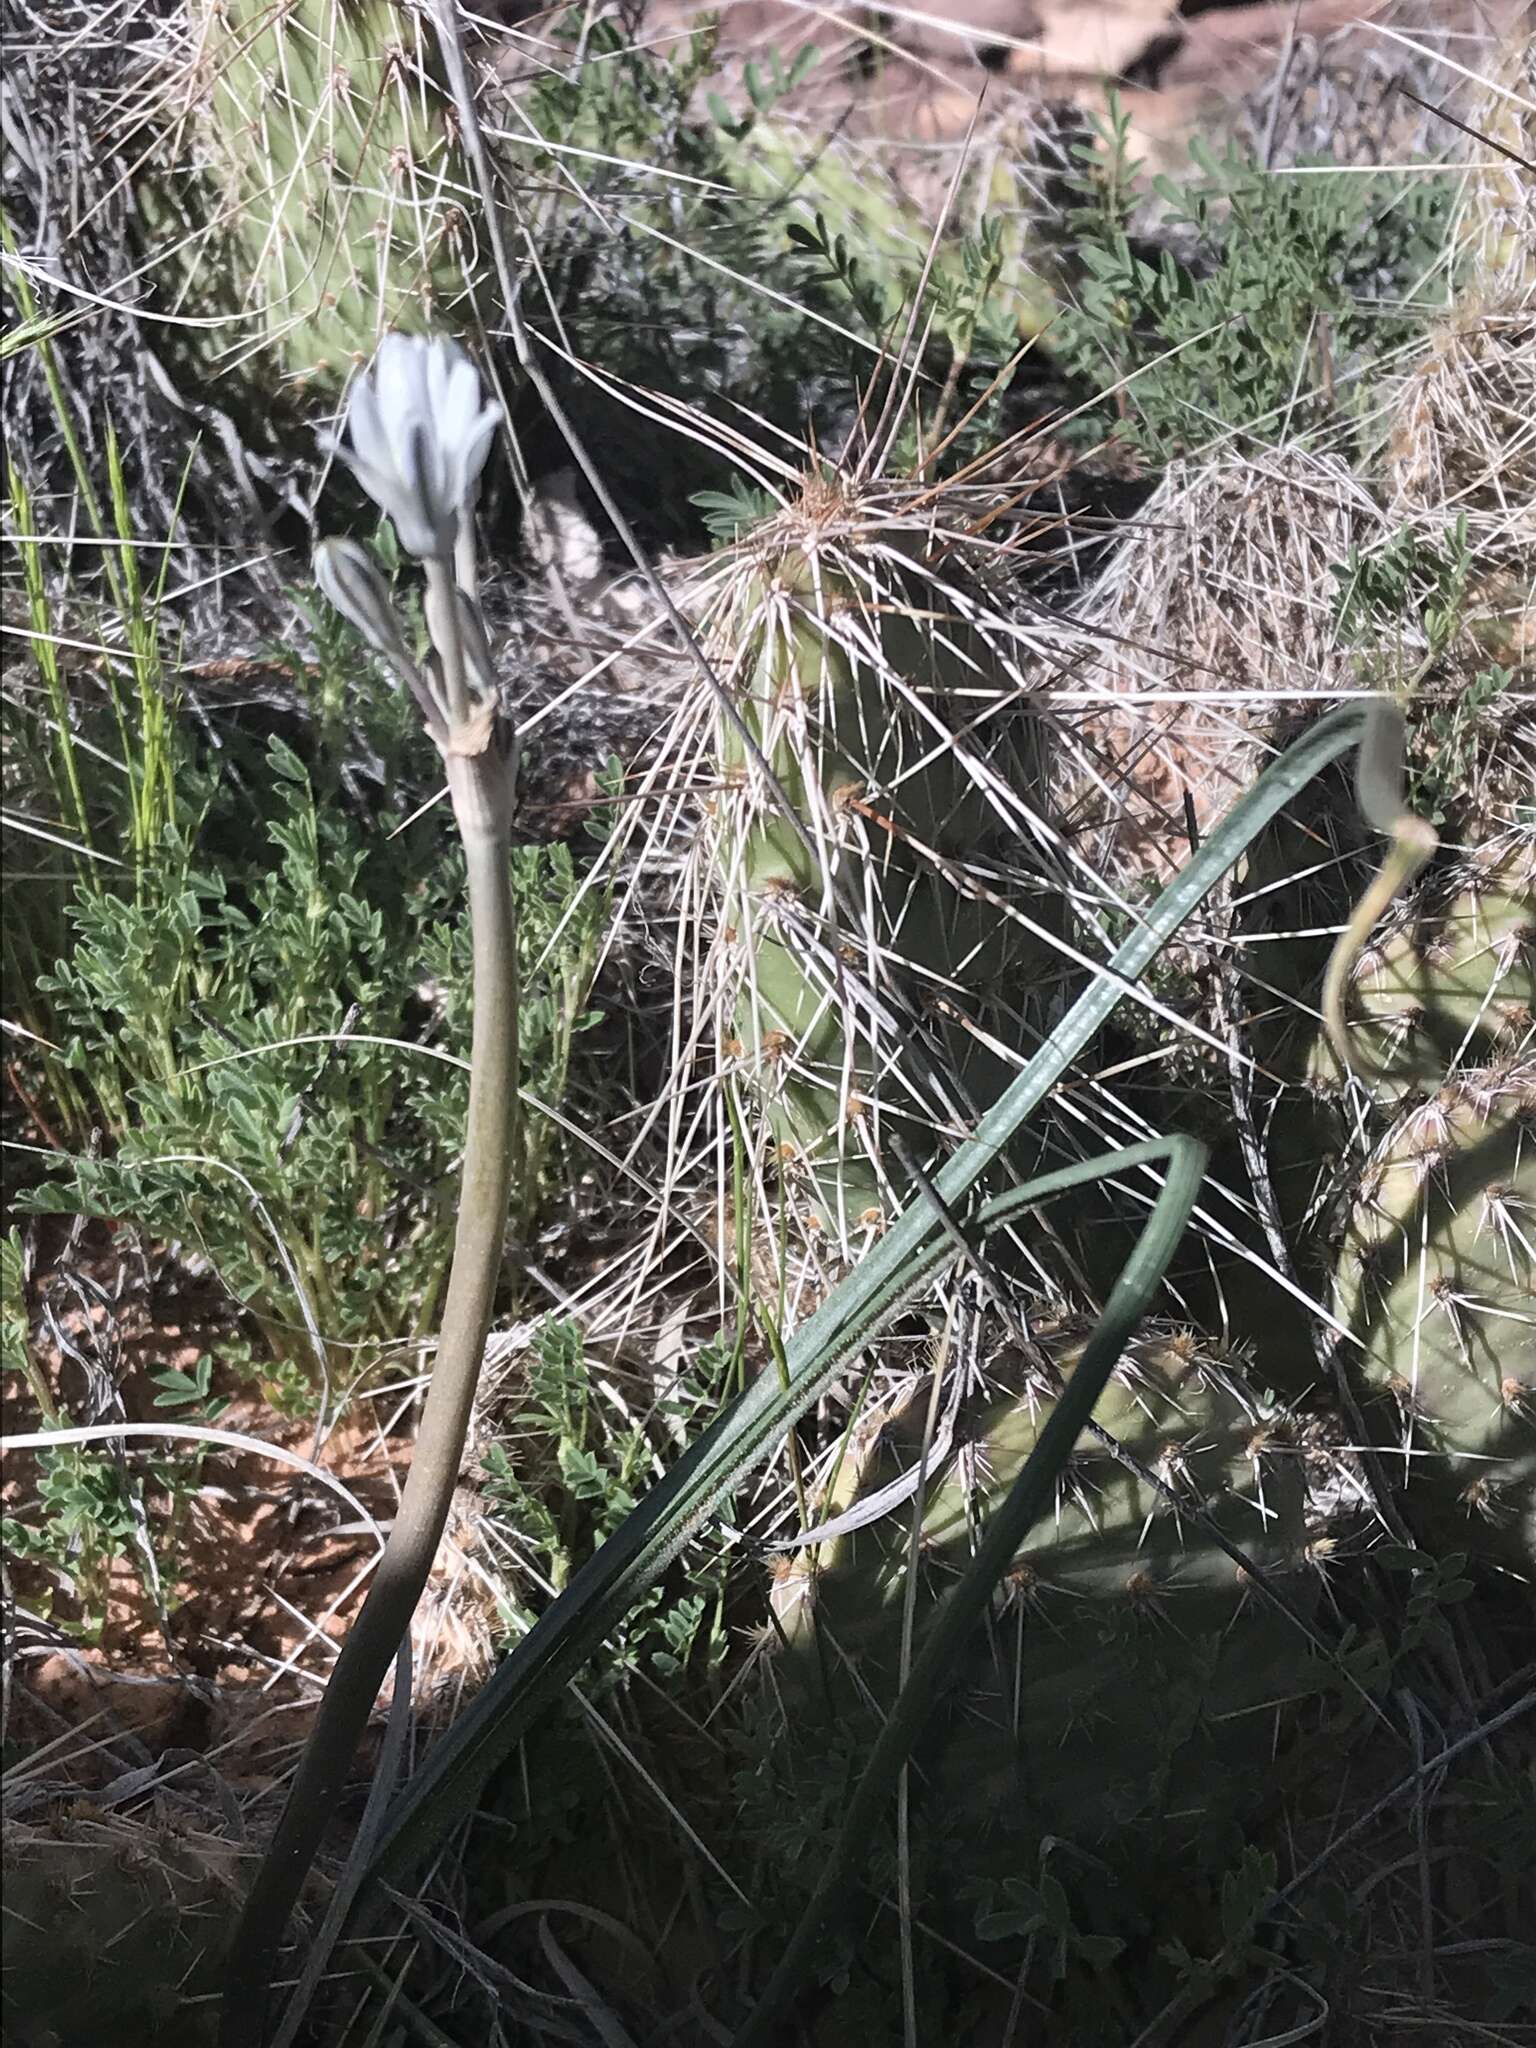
point(481, 790)
point(1379, 780)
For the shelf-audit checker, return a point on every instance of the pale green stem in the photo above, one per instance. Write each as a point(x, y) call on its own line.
point(448, 639)
point(481, 804)
point(465, 568)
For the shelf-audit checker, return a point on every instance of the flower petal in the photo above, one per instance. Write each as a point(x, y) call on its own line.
point(460, 403)
point(365, 427)
point(401, 388)
point(434, 520)
point(437, 365)
point(382, 485)
point(415, 535)
point(472, 451)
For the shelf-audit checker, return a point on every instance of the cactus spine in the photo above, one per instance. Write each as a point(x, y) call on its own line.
point(114, 1932)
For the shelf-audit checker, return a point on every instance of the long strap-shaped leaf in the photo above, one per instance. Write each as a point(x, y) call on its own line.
point(639, 1551)
point(1006, 1528)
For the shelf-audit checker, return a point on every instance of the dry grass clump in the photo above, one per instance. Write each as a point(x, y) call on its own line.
point(1460, 454)
point(1462, 441)
point(1463, 438)
point(1220, 604)
point(1223, 599)
point(1460, 471)
point(1497, 208)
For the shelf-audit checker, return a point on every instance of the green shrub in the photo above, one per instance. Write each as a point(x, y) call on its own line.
point(581, 1458)
point(1292, 285)
point(314, 1176)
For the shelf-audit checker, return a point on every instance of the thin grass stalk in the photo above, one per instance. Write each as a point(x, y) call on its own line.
point(150, 766)
point(64, 767)
point(20, 284)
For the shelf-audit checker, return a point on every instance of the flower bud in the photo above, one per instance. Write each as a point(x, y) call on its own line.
point(350, 580)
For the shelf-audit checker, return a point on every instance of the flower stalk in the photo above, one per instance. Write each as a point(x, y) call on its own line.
point(419, 439)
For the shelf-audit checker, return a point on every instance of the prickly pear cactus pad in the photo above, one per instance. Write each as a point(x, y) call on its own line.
point(1453, 978)
point(1129, 1672)
point(114, 1933)
point(1437, 1285)
point(344, 209)
point(862, 868)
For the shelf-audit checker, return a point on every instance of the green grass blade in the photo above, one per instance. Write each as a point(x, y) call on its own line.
point(42, 341)
point(32, 333)
point(63, 764)
point(634, 1557)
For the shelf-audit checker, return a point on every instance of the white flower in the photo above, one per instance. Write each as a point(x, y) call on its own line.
point(420, 436)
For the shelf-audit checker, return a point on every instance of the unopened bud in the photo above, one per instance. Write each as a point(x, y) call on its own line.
point(350, 580)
